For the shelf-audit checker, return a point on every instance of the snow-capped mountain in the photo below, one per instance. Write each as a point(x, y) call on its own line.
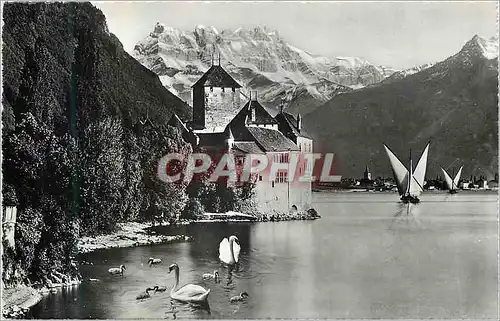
point(259, 59)
point(453, 103)
point(406, 72)
point(477, 47)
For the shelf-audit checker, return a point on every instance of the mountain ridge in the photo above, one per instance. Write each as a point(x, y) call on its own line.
point(259, 59)
point(454, 103)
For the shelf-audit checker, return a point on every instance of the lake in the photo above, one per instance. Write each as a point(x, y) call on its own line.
point(367, 257)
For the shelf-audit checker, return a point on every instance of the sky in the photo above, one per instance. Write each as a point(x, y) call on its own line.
point(395, 34)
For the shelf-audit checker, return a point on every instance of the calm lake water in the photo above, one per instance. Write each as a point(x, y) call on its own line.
point(365, 258)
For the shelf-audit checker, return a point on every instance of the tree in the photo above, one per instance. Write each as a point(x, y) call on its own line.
point(102, 176)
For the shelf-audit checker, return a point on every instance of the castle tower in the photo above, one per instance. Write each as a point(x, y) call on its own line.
point(216, 99)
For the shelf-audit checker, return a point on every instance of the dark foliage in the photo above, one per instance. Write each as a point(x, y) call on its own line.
point(74, 162)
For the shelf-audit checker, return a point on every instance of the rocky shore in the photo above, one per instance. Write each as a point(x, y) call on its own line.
point(17, 301)
point(310, 214)
point(129, 235)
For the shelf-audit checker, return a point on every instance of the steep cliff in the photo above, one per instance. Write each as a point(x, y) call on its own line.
point(75, 158)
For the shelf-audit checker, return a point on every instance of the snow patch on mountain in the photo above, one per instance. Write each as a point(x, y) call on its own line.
point(489, 47)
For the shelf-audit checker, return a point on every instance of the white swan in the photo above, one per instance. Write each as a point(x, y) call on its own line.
point(152, 261)
point(189, 292)
point(240, 297)
point(229, 250)
point(208, 276)
point(115, 271)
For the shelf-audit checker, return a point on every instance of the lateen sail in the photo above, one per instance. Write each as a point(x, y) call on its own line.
point(452, 183)
point(457, 177)
point(400, 171)
point(418, 176)
point(447, 179)
point(409, 182)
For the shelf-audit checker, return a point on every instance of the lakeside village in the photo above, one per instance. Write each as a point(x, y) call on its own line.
point(219, 126)
point(379, 184)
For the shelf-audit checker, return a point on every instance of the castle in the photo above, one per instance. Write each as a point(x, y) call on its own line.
point(219, 123)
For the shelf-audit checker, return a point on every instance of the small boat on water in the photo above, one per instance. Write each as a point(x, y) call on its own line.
point(409, 181)
point(452, 184)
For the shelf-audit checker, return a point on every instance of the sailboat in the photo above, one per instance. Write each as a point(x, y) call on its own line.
point(452, 183)
point(409, 181)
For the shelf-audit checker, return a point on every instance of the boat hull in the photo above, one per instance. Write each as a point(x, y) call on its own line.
point(410, 199)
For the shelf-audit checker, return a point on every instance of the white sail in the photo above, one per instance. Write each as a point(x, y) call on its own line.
point(414, 188)
point(409, 182)
point(400, 171)
point(419, 173)
point(457, 177)
point(447, 179)
point(452, 183)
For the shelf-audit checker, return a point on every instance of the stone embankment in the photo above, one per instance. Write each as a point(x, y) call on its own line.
point(310, 214)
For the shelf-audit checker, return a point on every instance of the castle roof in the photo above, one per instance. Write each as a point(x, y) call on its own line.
point(271, 140)
point(267, 139)
point(248, 147)
point(187, 134)
point(213, 139)
point(262, 117)
point(216, 76)
point(289, 125)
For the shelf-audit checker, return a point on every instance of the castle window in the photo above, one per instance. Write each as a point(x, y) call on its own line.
point(260, 178)
point(222, 89)
point(272, 183)
point(234, 89)
point(211, 89)
point(282, 177)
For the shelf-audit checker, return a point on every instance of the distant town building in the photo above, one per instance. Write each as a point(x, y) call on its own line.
point(366, 181)
point(221, 125)
point(367, 175)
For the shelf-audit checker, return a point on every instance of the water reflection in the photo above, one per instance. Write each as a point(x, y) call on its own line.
point(406, 216)
point(346, 265)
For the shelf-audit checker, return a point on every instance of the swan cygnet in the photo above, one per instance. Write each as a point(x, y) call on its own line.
point(160, 288)
point(214, 276)
point(240, 297)
point(153, 261)
point(144, 295)
point(117, 271)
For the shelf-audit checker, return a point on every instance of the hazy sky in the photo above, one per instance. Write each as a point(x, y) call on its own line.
point(395, 34)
